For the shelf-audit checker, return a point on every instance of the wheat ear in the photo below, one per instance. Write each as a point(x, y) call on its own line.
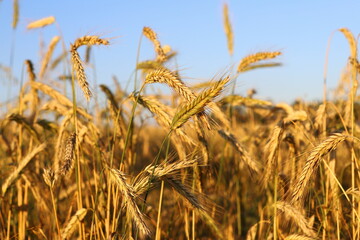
point(197, 105)
point(77, 64)
point(228, 29)
point(163, 75)
point(10, 179)
point(15, 13)
point(71, 225)
point(68, 160)
point(271, 149)
point(41, 22)
point(127, 192)
point(151, 35)
point(253, 165)
point(48, 55)
point(297, 217)
point(298, 237)
point(352, 42)
point(254, 58)
point(313, 161)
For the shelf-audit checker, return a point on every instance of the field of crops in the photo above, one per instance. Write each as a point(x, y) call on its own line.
point(200, 163)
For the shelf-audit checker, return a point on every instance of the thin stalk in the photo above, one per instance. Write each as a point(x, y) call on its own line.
point(275, 209)
point(238, 206)
point(129, 129)
point(55, 213)
point(77, 157)
point(353, 200)
point(158, 232)
point(193, 224)
point(8, 226)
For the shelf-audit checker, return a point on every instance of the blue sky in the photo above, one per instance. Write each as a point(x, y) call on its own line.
point(300, 29)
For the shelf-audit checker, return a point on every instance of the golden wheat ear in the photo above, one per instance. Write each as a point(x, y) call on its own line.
point(247, 61)
point(198, 104)
point(68, 160)
point(77, 63)
point(228, 29)
point(129, 202)
point(313, 162)
point(41, 22)
point(151, 35)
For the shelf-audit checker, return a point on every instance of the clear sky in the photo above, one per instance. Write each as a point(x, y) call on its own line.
point(300, 29)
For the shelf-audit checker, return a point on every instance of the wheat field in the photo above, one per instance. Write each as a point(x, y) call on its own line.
point(200, 163)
